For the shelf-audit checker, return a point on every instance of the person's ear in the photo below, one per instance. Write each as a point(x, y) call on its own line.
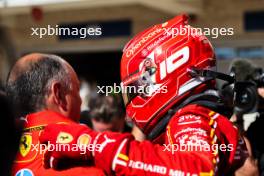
point(59, 95)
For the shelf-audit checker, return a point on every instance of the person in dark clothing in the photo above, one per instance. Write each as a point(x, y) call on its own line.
point(10, 135)
point(254, 134)
point(245, 71)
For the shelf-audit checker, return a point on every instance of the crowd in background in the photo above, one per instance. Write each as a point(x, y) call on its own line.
point(103, 113)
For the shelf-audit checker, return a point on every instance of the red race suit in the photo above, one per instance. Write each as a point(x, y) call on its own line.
point(197, 142)
point(29, 160)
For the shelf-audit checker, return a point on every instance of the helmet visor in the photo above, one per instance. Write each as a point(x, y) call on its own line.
point(141, 84)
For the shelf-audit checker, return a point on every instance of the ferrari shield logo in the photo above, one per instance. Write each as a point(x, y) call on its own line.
point(25, 144)
point(64, 138)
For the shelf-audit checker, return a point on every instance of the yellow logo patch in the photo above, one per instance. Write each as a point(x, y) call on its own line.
point(84, 140)
point(25, 144)
point(64, 138)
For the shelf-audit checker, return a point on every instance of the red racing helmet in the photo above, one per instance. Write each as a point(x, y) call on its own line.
point(154, 70)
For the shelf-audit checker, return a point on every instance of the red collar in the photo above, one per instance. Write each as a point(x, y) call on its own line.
point(44, 118)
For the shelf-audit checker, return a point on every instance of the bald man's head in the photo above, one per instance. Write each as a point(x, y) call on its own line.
point(24, 64)
point(29, 80)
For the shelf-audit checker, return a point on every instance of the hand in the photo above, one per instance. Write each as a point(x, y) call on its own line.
point(66, 141)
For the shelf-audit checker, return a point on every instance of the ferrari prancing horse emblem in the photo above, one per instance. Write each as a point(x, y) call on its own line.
point(25, 144)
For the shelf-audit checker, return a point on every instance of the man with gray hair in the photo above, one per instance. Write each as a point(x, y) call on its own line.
point(46, 90)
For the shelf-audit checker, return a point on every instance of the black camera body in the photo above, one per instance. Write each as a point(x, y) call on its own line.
point(259, 77)
point(240, 96)
point(246, 97)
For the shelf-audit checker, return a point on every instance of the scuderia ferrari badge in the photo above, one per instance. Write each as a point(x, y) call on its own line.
point(25, 144)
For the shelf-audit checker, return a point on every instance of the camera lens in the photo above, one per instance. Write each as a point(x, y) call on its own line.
point(246, 98)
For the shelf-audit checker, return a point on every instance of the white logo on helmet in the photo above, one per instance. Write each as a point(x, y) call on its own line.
point(171, 63)
point(134, 48)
